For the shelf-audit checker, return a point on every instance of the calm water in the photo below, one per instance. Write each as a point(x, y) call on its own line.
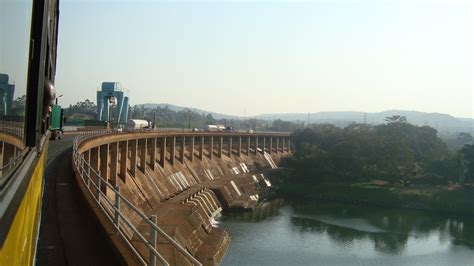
point(324, 233)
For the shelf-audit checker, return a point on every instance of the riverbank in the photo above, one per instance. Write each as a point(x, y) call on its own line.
point(444, 199)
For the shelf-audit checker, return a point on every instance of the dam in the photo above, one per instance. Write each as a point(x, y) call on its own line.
point(157, 193)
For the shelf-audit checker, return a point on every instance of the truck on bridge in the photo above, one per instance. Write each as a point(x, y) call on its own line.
point(138, 124)
point(57, 119)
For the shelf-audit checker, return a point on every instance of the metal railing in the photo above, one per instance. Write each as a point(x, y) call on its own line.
point(13, 128)
point(114, 210)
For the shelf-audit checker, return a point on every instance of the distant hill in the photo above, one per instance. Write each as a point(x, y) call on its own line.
point(180, 108)
point(442, 122)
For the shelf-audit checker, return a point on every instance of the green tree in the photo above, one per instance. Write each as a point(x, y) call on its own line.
point(467, 153)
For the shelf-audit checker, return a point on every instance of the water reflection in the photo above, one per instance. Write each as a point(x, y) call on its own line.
point(281, 233)
point(388, 229)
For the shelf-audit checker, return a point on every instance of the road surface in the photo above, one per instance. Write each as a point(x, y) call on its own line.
point(69, 233)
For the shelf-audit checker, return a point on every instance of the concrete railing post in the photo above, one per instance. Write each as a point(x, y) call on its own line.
point(264, 144)
point(230, 146)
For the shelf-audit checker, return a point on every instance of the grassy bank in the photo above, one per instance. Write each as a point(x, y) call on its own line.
point(378, 193)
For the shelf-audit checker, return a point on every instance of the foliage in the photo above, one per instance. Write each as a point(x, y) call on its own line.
point(18, 106)
point(393, 151)
point(467, 154)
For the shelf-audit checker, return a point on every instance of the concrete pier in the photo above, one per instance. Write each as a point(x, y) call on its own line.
point(123, 160)
point(239, 148)
point(221, 146)
point(152, 153)
point(255, 151)
point(183, 149)
point(163, 152)
point(191, 151)
point(133, 156)
point(143, 148)
point(211, 147)
point(201, 148)
point(113, 163)
point(172, 150)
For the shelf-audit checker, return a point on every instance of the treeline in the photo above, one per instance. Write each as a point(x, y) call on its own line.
point(165, 117)
point(394, 151)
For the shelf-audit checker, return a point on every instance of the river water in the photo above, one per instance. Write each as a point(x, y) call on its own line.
point(322, 233)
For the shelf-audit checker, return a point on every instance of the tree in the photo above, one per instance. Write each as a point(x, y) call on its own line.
point(18, 106)
point(210, 119)
point(467, 153)
point(390, 151)
point(464, 137)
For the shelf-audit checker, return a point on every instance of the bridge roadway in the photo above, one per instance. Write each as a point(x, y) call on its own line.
point(69, 233)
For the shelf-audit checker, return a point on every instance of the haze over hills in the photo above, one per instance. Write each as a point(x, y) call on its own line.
point(444, 123)
point(180, 108)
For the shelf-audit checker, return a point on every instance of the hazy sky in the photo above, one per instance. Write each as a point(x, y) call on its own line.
point(272, 56)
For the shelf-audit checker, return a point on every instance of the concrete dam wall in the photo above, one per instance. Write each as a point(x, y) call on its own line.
point(182, 182)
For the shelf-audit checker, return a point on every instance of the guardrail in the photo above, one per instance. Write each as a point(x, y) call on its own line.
point(13, 128)
point(113, 210)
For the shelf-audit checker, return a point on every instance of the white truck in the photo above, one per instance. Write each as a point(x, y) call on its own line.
point(210, 128)
point(138, 124)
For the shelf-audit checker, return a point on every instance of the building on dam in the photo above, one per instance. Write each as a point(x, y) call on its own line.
point(112, 94)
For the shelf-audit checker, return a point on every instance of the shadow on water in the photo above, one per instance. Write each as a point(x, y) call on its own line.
point(341, 233)
point(388, 229)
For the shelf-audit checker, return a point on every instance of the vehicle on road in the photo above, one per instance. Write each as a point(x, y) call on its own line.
point(230, 129)
point(210, 128)
point(138, 124)
point(57, 118)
